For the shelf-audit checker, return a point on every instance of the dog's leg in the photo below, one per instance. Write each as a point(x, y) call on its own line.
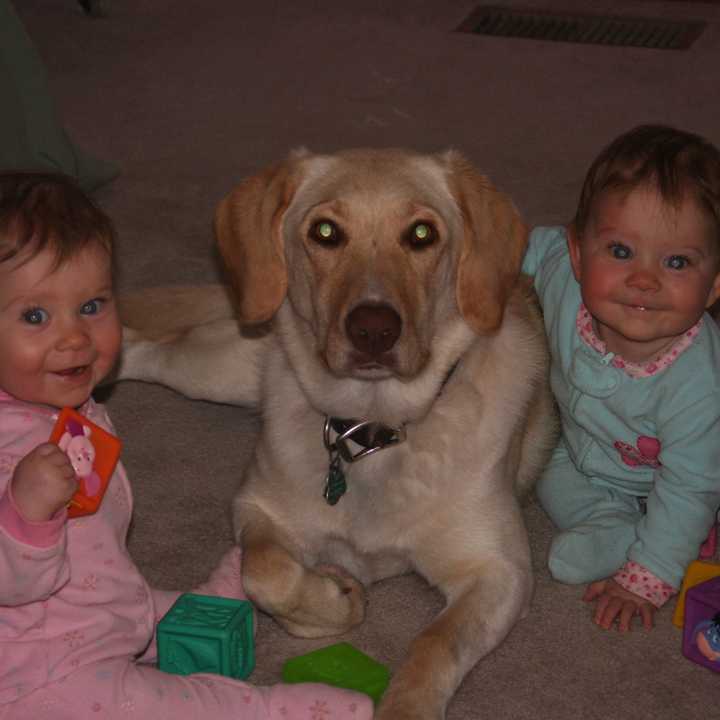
point(306, 602)
point(188, 338)
point(210, 362)
point(476, 620)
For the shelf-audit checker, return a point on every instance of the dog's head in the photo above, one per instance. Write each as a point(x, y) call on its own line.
point(378, 252)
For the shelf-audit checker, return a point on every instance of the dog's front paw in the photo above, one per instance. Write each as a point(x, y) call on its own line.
point(416, 692)
point(332, 603)
point(348, 586)
point(406, 707)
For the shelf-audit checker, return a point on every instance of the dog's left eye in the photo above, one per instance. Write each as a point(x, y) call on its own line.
point(325, 232)
point(421, 234)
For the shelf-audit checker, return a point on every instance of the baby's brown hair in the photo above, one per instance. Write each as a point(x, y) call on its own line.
point(41, 210)
point(679, 164)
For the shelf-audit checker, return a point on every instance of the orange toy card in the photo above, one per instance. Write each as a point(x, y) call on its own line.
point(93, 453)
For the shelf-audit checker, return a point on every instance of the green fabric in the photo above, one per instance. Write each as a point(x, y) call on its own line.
point(31, 135)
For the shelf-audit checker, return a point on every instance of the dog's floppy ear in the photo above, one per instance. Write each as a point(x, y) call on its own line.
point(493, 246)
point(248, 234)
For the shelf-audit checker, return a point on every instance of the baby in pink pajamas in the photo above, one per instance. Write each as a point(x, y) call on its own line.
point(76, 616)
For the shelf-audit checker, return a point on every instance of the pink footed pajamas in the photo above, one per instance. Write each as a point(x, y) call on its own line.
point(76, 615)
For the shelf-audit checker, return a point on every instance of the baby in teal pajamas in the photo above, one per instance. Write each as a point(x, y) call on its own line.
point(634, 484)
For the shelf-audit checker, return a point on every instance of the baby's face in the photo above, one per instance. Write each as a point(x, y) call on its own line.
point(647, 271)
point(59, 329)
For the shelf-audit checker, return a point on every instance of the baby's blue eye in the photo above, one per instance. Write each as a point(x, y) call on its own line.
point(91, 307)
point(36, 316)
point(621, 252)
point(676, 262)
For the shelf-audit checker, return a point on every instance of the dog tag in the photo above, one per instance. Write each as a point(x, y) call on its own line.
point(335, 485)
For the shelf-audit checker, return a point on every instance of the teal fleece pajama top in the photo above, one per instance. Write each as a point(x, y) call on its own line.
point(639, 458)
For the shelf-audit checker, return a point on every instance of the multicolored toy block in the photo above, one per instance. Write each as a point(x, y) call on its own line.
point(201, 633)
point(701, 637)
point(697, 573)
point(93, 454)
point(341, 665)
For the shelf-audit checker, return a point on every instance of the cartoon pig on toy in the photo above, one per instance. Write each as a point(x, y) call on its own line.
point(76, 443)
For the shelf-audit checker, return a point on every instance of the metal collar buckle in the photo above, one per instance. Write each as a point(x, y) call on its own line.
point(340, 445)
point(335, 484)
point(370, 436)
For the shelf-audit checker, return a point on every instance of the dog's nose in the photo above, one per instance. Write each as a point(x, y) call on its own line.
point(373, 329)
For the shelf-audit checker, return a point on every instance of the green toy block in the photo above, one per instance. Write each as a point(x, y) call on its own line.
point(201, 633)
point(341, 665)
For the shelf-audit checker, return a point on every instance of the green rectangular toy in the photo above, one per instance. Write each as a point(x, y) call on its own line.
point(341, 665)
point(202, 633)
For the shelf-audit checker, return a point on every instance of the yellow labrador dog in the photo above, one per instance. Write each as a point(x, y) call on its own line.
point(402, 383)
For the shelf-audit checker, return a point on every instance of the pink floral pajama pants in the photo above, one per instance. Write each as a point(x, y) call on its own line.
point(120, 687)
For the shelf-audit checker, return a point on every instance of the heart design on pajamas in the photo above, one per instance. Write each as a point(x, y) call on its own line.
point(646, 453)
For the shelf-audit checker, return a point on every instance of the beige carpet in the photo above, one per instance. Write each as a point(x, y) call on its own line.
point(187, 97)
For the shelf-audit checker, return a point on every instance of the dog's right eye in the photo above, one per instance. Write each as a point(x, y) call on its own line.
point(421, 235)
point(326, 233)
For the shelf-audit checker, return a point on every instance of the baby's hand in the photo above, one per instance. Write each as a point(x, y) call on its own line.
point(613, 600)
point(43, 482)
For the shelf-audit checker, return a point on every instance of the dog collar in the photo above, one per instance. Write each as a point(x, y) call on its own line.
point(370, 436)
